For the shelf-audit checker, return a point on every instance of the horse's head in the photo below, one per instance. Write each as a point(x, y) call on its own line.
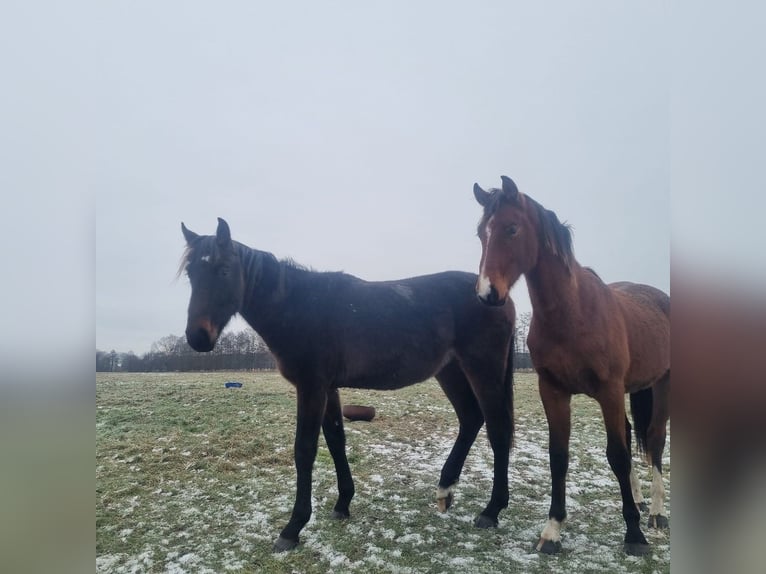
point(509, 241)
point(217, 283)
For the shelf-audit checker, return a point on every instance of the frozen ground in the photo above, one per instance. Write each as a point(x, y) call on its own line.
point(195, 478)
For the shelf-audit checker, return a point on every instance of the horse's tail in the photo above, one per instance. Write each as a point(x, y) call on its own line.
point(641, 408)
point(509, 381)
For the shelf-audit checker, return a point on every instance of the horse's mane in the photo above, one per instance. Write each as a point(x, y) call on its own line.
point(206, 244)
point(553, 234)
point(293, 264)
point(184, 261)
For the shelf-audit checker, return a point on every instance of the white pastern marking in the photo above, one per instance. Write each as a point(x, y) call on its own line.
point(635, 486)
point(205, 258)
point(484, 286)
point(552, 530)
point(658, 493)
point(444, 492)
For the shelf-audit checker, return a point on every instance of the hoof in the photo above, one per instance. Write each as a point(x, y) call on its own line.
point(548, 546)
point(642, 507)
point(636, 548)
point(444, 503)
point(338, 515)
point(284, 544)
point(484, 522)
point(658, 521)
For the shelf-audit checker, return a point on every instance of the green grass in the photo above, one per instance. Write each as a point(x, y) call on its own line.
point(193, 477)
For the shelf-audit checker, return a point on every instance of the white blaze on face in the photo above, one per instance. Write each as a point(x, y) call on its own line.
point(484, 282)
point(484, 287)
point(205, 258)
point(658, 493)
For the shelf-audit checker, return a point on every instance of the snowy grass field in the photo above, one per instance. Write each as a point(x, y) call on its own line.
point(193, 477)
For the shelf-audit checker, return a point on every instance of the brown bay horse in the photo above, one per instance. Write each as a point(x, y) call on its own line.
point(333, 330)
point(585, 337)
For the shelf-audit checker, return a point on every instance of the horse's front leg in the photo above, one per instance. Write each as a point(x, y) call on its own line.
point(311, 408)
point(332, 426)
point(557, 405)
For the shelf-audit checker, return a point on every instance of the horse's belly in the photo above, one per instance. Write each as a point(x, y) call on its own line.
point(393, 372)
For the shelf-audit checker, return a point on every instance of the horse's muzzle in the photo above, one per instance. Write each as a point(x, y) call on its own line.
point(201, 338)
point(492, 298)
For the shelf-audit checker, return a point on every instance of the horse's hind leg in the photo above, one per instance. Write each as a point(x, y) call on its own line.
point(635, 482)
point(496, 402)
point(455, 385)
point(332, 426)
point(655, 442)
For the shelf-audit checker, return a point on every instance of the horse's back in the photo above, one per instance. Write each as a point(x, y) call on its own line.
point(644, 295)
point(646, 313)
point(462, 281)
point(394, 333)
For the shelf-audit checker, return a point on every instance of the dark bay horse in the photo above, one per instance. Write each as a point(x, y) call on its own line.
point(585, 337)
point(331, 330)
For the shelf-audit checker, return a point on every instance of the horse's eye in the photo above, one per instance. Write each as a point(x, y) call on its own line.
point(511, 230)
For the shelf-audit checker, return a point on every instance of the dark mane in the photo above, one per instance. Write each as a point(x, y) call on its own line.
point(553, 234)
point(293, 264)
point(206, 245)
point(495, 198)
point(251, 259)
point(184, 261)
point(201, 246)
point(591, 270)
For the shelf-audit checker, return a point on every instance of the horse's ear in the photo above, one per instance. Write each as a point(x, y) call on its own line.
point(222, 234)
point(509, 187)
point(189, 235)
point(481, 196)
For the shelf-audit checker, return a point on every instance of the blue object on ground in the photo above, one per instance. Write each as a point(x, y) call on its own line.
point(230, 384)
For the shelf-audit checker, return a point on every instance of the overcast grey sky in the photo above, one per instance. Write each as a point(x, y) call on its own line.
point(348, 135)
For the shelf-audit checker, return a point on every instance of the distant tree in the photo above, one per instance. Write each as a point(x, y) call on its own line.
point(167, 345)
point(131, 363)
point(103, 362)
point(522, 359)
point(240, 350)
point(522, 331)
point(114, 361)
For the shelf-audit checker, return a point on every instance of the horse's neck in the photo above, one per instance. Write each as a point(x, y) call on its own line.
point(553, 290)
point(266, 287)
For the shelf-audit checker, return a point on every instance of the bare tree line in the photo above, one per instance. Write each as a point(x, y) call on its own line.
point(521, 356)
point(236, 351)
